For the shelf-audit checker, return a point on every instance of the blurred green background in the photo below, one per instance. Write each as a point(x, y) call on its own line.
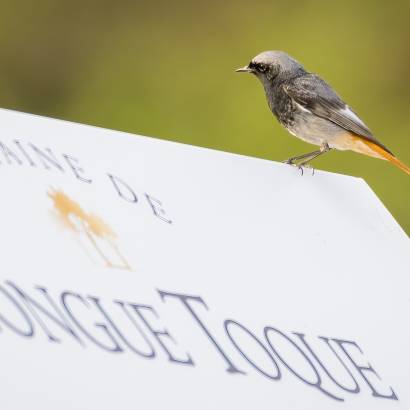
point(166, 69)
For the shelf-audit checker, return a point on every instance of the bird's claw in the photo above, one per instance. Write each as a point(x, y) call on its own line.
point(300, 167)
point(308, 166)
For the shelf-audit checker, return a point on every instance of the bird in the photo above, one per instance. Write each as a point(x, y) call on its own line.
point(311, 110)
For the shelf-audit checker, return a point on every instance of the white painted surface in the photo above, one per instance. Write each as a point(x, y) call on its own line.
point(261, 245)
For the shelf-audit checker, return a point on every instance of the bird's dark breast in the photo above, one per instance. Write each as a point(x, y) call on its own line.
point(282, 106)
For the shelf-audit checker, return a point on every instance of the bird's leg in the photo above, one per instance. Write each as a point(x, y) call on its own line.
point(323, 148)
point(306, 158)
point(291, 161)
point(304, 164)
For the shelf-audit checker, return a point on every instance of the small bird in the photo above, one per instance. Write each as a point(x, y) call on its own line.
point(311, 110)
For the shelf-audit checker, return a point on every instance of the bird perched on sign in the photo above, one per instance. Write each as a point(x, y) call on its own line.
point(311, 110)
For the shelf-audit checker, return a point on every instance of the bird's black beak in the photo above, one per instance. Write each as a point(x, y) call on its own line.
point(245, 69)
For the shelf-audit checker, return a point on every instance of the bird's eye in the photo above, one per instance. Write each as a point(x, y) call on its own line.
point(262, 68)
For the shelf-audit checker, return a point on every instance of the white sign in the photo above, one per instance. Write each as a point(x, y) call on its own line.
point(138, 273)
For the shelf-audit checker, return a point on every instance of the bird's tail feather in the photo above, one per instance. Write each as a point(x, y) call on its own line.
point(387, 156)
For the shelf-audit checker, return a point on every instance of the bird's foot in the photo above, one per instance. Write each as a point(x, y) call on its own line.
point(308, 166)
point(300, 166)
point(304, 160)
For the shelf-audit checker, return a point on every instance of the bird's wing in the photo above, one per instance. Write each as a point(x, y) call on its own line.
point(315, 95)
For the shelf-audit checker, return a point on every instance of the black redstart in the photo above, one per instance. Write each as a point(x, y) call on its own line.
point(312, 111)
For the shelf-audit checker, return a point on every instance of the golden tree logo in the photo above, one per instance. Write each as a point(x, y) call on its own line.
point(95, 235)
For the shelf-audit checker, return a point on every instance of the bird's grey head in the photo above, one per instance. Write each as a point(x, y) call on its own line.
point(269, 65)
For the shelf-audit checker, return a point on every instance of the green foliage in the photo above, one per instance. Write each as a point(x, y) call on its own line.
point(166, 69)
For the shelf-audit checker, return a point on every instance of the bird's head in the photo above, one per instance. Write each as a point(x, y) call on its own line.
point(272, 64)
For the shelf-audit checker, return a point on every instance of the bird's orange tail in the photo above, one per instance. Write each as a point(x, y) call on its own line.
point(387, 156)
